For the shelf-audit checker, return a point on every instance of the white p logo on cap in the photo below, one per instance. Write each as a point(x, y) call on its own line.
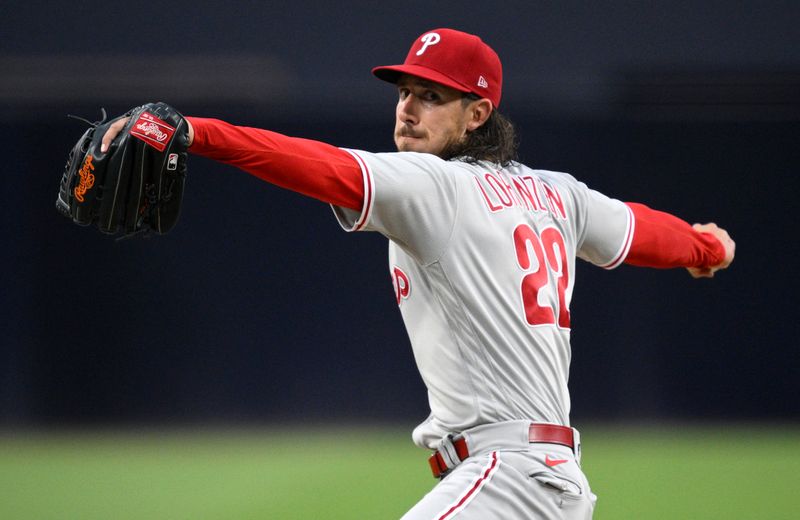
point(428, 39)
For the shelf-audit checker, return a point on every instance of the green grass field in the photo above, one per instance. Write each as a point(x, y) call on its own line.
point(373, 473)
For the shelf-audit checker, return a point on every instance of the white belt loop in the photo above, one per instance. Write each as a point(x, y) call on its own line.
point(448, 452)
point(576, 442)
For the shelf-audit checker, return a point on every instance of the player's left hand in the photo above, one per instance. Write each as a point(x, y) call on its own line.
point(127, 175)
point(116, 128)
point(729, 245)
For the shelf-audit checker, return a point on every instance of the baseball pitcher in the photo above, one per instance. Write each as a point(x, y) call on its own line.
point(482, 253)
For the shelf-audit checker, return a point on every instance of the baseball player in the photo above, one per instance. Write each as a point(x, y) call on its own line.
point(482, 253)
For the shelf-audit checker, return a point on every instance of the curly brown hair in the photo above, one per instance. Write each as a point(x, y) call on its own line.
point(494, 141)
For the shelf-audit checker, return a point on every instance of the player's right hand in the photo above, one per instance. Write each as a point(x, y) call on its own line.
point(729, 245)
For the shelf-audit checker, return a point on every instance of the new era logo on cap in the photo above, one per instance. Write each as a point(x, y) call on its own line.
point(452, 58)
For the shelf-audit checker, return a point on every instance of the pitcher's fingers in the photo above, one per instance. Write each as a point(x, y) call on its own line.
point(112, 132)
point(701, 272)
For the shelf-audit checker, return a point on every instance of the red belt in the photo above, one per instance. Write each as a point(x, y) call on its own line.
point(537, 433)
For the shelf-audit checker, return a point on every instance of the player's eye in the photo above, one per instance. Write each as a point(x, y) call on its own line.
point(403, 92)
point(430, 95)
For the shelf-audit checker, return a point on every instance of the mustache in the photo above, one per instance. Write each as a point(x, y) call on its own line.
point(406, 131)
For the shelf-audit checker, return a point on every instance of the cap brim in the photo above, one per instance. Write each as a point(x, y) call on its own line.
point(391, 73)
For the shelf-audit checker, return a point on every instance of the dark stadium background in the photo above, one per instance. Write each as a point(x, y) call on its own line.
point(257, 308)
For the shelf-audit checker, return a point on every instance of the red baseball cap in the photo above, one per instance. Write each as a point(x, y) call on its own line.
point(453, 58)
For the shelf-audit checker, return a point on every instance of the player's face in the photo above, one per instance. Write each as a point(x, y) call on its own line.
point(430, 117)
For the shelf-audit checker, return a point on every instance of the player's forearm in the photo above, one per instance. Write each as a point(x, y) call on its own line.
point(663, 240)
point(309, 167)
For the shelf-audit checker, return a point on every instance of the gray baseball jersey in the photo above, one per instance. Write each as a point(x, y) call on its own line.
point(483, 264)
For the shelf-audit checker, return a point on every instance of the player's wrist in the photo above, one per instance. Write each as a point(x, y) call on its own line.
point(190, 130)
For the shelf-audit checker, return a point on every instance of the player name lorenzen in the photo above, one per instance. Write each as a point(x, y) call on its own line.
point(526, 192)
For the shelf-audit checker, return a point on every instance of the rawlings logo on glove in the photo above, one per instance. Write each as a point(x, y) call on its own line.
point(152, 131)
point(87, 178)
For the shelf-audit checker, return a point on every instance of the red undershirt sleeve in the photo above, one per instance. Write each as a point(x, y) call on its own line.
point(309, 167)
point(662, 240)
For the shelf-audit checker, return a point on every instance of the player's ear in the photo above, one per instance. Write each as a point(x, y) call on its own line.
point(478, 113)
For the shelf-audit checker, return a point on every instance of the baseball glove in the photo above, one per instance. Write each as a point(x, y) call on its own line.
point(136, 186)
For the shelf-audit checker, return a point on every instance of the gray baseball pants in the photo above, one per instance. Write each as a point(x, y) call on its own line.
point(508, 478)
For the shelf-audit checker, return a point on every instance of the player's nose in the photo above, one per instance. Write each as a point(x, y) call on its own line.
point(407, 110)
